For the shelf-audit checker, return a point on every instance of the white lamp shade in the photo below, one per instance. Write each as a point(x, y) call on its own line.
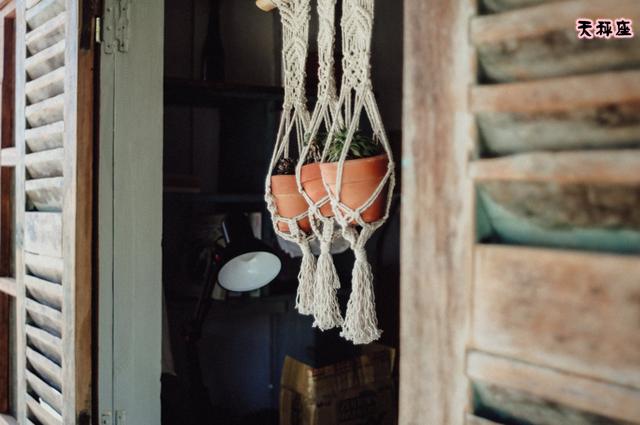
point(250, 271)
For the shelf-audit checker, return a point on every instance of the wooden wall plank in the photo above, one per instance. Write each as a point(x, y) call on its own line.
point(573, 311)
point(436, 246)
point(594, 396)
point(603, 167)
point(538, 20)
point(558, 94)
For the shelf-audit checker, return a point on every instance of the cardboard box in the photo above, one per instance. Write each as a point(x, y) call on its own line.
point(356, 392)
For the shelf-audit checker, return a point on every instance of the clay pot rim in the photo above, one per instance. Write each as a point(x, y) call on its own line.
point(351, 161)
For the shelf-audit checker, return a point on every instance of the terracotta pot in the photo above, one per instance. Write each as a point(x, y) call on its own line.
point(289, 202)
point(311, 180)
point(360, 178)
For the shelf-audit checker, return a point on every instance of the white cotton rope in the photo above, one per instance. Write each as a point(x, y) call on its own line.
point(295, 15)
point(356, 95)
point(326, 309)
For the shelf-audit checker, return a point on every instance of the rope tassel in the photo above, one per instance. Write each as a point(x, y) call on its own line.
point(327, 310)
point(306, 277)
point(360, 322)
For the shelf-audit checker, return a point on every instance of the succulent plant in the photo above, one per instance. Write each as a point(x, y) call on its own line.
point(285, 167)
point(361, 146)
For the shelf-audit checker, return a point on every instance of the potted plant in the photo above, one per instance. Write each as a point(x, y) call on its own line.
point(364, 168)
point(289, 202)
point(311, 178)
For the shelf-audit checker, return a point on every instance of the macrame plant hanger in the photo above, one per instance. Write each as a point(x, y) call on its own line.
point(356, 96)
point(295, 15)
point(326, 309)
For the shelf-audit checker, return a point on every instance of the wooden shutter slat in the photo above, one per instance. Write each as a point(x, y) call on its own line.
point(45, 342)
point(42, 12)
point(48, 371)
point(558, 94)
point(535, 21)
point(46, 35)
point(49, 394)
point(42, 414)
point(610, 167)
point(45, 317)
point(45, 137)
point(45, 163)
point(599, 397)
point(580, 308)
point(45, 267)
point(44, 291)
point(46, 194)
point(46, 112)
point(47, 86)
point(43, 233)
point(46, 60)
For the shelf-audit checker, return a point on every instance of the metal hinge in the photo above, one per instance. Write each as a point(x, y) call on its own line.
point(105, 419)
point(114, 26)
point(121, 417)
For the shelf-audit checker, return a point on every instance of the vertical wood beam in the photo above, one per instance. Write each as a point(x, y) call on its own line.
point(6, 210)
point(437, 218)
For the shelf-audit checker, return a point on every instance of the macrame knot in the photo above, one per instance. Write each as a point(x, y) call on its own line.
point(306, 278)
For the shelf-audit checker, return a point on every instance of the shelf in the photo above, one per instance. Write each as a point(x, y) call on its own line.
point(210, 93)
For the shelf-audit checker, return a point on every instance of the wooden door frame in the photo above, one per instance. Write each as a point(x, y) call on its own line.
point(437, 214)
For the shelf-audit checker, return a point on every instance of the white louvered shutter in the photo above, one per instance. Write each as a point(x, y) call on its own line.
point(53, 202)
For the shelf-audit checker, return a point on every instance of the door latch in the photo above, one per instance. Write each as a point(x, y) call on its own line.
point(115, 26)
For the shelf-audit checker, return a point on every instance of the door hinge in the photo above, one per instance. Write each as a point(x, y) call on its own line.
point(121, 417)
point(105, 418)
point(114, 26)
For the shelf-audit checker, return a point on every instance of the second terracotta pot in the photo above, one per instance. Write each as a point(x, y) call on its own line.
point(289, 202)
point(311, 180)
point(360, 178)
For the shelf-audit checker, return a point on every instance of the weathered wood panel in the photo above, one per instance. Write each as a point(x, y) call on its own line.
point(597, 397)
point(46, 86)
point(45, 391)
point(43, 415)
point(46, 112)
point(43, 11)
point(541, 42)
point(558, 94)
point(45, 342)
point(436, 261)
point(44, 317)
point(600, 127)
point(43, 233)
point(45, 137)
point(45, 164)
point(542, 19)
point(46, 35)
point(581, 310)
point(45, 368)
point(509, 406)
point(603, 167)
point(45, 194)
point(45, 292)
point(47, 268)
point(46, 60)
